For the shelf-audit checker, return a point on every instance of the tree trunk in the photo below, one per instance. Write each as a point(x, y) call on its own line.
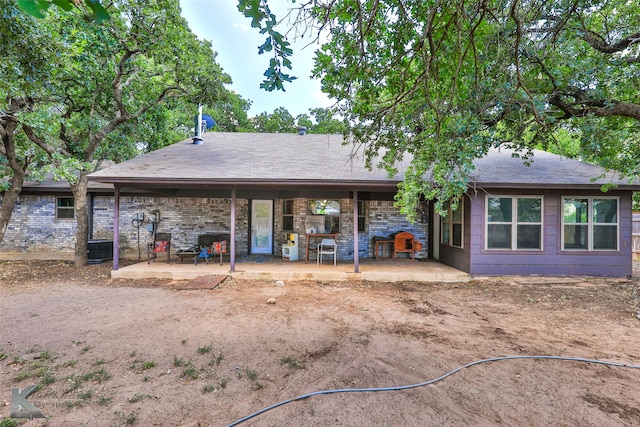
point(8, 202)
point(79, 191)
point(9, 126)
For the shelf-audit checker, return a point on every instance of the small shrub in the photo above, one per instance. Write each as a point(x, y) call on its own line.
point(104, 400)
point(8, 422)
point(189, 371)
point(217, 359)
point(130, 419)
point(148, 365)
point(178, 361)
point(98, 376)
point(205, 349)
point(292, 362)
point(208, 388)
point(138, 397)
point(47, 378)
point(69, 363)
point(45, 355)
point(85, 395)
point(252, 375)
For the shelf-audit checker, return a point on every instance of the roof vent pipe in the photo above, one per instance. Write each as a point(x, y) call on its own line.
point(302, 130)
point(197, 139)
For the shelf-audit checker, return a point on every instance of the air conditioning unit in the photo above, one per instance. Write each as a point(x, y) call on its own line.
point(99, 251)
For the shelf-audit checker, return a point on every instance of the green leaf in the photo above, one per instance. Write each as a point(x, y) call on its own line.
point(99, 13)
point(34, 7)
point(63, 4)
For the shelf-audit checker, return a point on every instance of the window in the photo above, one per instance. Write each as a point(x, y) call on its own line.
point(287, 215)
point(514, 222)
point(452, 225)
point(330, 210)
point(361, 215)
point(590, 223)
point(64, 208)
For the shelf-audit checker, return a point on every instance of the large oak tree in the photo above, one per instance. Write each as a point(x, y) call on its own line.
point(109, 76)
point(446, 80)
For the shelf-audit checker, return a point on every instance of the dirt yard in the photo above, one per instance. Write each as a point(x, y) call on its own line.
point(121, 352)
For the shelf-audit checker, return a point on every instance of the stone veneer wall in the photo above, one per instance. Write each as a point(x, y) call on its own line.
point(35, 233)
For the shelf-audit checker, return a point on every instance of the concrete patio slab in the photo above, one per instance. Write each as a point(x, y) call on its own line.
point(275, 268)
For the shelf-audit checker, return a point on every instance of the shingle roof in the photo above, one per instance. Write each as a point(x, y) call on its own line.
point(547, 170)
point(315, 159)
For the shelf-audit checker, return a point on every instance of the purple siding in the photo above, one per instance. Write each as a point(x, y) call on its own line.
point(459, 257)
point(552, 260)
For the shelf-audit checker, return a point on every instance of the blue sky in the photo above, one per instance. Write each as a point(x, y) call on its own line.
point(237, 45)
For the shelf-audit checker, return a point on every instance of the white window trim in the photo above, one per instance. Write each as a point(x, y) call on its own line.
point(444, 221)
point(514, 222)
point(590, 224)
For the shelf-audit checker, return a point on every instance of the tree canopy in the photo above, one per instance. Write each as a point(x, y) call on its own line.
point(101, 86)
point(445, 81)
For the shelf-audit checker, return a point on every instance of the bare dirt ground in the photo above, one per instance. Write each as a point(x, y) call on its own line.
point(110, 352)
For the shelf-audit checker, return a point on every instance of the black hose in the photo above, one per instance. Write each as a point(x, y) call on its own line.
point(433, 381)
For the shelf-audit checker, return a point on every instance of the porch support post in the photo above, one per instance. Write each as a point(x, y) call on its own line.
point(232, 243)
point(356, 258)
point(116, 228)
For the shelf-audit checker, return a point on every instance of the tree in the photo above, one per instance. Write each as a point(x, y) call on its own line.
point(92, 8)
point(113, 74)
point(27, 77)
point(280, 121)
point(303, 120)
point(445, 81)
point(326, 123)
point(230, 115)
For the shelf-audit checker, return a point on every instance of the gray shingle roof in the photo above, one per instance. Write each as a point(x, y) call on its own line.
point(314, 159)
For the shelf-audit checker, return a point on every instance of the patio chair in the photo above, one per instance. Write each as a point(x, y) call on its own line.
point(161, 244)
point(218, 248)
point(327, 247)
point(211, 245)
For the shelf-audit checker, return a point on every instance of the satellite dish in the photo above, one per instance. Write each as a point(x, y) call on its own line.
point(210, 123)
point(207, 122)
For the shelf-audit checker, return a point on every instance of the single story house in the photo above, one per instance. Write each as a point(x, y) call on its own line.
point(550, 218)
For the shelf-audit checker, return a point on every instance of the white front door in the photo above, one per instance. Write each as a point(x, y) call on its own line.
point(261, 226)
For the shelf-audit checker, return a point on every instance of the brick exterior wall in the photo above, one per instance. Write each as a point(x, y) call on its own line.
point(381, 219)
point(34, 230)
point(35, 233)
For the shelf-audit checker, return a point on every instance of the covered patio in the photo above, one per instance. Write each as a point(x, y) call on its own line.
point(275, 268)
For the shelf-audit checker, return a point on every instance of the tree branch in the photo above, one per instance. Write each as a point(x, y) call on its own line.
point(599, 43)
point(584, 106)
